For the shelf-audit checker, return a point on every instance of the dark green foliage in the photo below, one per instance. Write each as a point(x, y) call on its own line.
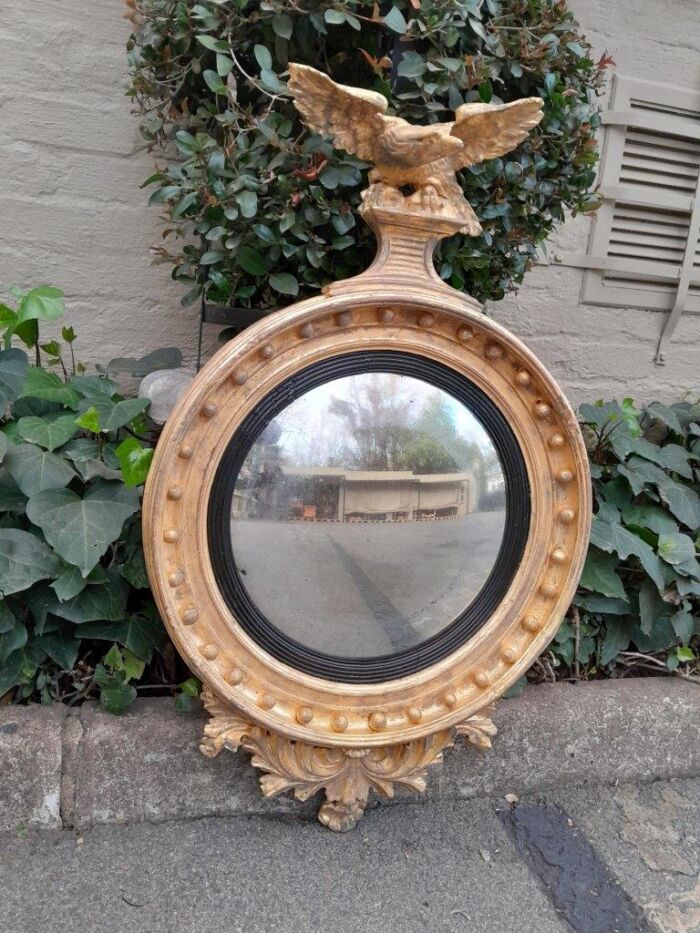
point(259, 211)
point(639, 600)
point(73, 457)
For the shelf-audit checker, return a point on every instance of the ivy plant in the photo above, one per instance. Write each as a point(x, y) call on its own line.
point(74, 454)
point(638, 604)
point(256, 210)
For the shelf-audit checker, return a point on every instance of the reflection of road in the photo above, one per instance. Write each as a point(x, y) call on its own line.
point(365, 589)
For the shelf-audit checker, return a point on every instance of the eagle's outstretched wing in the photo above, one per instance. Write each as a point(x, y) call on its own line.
point(351, 116)
point(490, 130)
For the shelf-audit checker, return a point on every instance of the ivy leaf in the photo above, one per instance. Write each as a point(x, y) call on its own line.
point(7, 619)
point(13, 373)
point(671, 456)
point(683, 501)
point(97, 602)
point(617, 638)
point(12, 640)
point(615, 538)
point(61, 646)
point(676, 548)
point(81, 450)
point(667, 415)
point(103, 415)
point(116, 697)
point(605, 605)
point(11, 497)
point(652, 517)
point(143, 636)
point(137, 633)
point(44, 303)
point(24, 559)
point(34, 469)
point(651, 606)
point(89, 420)
point(49, 432)
point(71, 582)
point(134, 461)
point(284, 283)
point(11, 671)
point(683, 625)
point(40, 383)
point(599, 575)
point(81, 530)
point(639, 472)
point(134, 571)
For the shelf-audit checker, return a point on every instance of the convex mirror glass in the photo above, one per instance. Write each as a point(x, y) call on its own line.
point(368, 515)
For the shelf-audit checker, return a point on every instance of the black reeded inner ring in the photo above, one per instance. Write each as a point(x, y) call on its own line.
point(390, 666)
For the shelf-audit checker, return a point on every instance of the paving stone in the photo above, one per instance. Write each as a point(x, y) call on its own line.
point(649, 836)
point(30, 766)
point(446, 868)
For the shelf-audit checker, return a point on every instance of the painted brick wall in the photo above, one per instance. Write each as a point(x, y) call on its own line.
point(73, 214)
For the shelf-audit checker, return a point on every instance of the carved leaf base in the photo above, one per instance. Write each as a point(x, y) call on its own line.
point(347, 775)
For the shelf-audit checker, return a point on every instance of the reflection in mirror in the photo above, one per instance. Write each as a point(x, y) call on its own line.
point(368, 515)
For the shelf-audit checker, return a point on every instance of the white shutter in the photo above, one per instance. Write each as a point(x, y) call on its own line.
point(644, 249)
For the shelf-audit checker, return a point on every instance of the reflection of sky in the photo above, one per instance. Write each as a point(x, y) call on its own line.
point(308, 427)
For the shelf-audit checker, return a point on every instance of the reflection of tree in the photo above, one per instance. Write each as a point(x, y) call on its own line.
point(389, 431)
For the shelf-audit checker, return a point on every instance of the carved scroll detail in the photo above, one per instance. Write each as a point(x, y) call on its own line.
point(224, 729)
point(347, 775)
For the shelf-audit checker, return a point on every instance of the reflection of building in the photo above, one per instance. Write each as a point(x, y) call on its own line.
point(336, 494)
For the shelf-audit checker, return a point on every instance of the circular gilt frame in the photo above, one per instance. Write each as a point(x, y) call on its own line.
point(440, 326)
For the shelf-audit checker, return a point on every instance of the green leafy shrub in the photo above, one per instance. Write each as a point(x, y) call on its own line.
point(258, 210)
point(638, 604)
point(74, 454)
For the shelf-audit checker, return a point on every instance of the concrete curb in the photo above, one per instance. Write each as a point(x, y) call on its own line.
point(77, 768)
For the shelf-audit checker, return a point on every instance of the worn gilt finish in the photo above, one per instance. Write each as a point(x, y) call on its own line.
point(346, 775)
point(307, 733)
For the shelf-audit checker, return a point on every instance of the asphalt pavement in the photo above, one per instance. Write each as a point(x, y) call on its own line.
point(368, 588)
point(588, 859)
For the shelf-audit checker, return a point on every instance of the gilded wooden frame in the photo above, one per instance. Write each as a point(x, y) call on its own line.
point(444, 327)
point(307, 733)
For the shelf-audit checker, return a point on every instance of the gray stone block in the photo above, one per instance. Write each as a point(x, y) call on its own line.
point(606, 732)
point(146, 765)
point(30, 766)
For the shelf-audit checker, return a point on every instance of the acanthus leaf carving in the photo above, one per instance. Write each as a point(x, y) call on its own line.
point(478, 730)
point(224, 729)
point(347, 775)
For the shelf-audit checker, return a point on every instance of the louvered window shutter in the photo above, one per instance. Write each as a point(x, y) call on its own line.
point(644, 249)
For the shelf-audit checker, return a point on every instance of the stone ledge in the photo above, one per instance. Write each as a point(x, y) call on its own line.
point(30, 766)
point(90, 767)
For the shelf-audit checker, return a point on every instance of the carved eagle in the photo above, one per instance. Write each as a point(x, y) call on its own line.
point(404, 154)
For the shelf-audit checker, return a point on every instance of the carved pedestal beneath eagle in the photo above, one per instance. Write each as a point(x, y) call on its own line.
point(347, 775)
